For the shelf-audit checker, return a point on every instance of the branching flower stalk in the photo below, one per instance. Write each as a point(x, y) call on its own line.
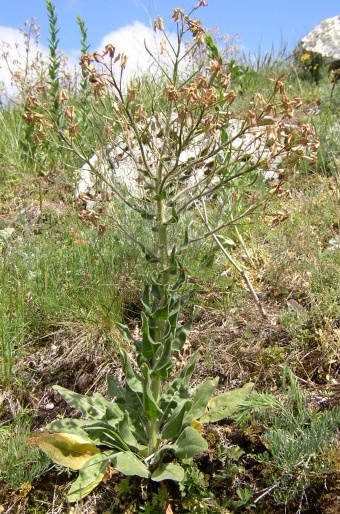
point(204, 214)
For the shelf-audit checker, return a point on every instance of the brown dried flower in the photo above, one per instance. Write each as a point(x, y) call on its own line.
point(32, 102)
point(259, 101)
point(97, 57)
point(141, 113)
point(209, 97)
point(123, 60)
point(61, 96)
point(201, 82)
point(279, 85)
point(170, 93)
point(158, 24)
point(177, 14)
point(99, 88)
point(251, 118)
point(229, 97)
point(132, 93)
point(110, 50)
point(225, 79)
point(197, 30)
point(214, 66)
point(162, 45)
point(73, 129)
point(70, 113)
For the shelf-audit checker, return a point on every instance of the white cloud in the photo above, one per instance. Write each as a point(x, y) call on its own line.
point(132, 40)
point(16, 63)
point(15, 60)
point(11, 43)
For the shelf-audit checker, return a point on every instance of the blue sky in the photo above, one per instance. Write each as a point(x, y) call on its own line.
point(260, 24)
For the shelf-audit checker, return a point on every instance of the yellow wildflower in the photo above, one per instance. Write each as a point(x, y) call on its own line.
point(305, 57)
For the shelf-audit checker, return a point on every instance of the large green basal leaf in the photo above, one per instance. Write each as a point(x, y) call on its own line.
point(169, 471)
point(173, 427)
point(90, 476)
point(93, 407)
point(70, 426)
point(201, 398)
point(190, 443)
point(129, 464)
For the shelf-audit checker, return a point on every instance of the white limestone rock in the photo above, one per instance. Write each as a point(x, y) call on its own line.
point(324, 40)
point(120, 162)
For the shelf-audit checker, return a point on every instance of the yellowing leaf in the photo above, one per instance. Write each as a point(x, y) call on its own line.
point(197, 426)
point(68, 450)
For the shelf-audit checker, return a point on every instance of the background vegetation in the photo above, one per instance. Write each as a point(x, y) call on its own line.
point(68, 277)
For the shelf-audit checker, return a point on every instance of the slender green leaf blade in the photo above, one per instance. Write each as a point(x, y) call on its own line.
point(132, 379)
point(164, 363)
point(104, 434)
point(127, 433)
point(114, 388)
point(225, 404)
point(173, 427)
point(123, 329)
point(201, 399)
point(148, 346)
point(151, 408)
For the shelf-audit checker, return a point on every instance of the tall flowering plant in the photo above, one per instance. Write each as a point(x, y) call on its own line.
point(179, 143)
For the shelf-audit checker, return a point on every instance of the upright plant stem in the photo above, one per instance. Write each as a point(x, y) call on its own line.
point(162, 241)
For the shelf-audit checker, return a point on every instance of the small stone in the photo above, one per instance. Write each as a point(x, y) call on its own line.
point(84, 380)
point(334, 244)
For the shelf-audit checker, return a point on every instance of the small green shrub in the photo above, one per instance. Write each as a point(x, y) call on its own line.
point(299, 440)
point(20, 463)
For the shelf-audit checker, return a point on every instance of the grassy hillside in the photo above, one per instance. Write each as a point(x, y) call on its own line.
point(257, 262)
